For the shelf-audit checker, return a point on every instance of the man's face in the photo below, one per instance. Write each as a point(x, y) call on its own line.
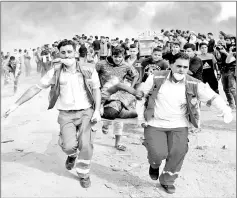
point(67, 51)
point(190, 52)
point(209, 36)
point(156, 56)
point(133, 52)
point(12, 62)
point(203, 49)
point(117, 59)
point(156, 40)
point(180, 66)
point(103, 40)
point(175, 49)
point(127, 41)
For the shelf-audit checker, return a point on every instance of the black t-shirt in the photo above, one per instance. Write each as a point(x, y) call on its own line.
point(210, 46)
point(168, 56)
point(196, 67)
point(125, 46)
point(96, 45)
point(83, 51)
point(149, 66)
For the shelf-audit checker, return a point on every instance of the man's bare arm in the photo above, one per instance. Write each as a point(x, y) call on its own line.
point(97, 98)
point(30, 93)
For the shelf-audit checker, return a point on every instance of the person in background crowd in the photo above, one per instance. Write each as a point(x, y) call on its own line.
point(195, 63)
point(38, 59)
point(82, 50)
point(209, 66)
point(96, 47)
point(104, 48)
point(222, 39)
point(152, 64)
point(175, 49)
point(227, 69)
point(211, 43)
point(90, 55)
point(134, 61)
point(182, 41)
point(125, 46)
point(155, 43)
point(228, 42)
point(46, 60)
point(27, 63)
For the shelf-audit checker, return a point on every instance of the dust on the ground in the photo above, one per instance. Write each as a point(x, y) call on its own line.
point(33, 163)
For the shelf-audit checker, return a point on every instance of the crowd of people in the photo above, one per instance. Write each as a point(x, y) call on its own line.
point(108, 78)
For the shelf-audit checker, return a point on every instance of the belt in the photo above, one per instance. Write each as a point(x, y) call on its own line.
point(72, 111)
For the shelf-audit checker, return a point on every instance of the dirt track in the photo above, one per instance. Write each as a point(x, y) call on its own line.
point(33, 164)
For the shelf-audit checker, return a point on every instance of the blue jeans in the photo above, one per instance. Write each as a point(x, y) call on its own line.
point(229, 86)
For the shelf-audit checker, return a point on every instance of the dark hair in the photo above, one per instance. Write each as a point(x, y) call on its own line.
point(135, 41)
point(117, 38)
point(176, 43)
point(117, 51)
point(121, 41)
point(180, 55)
point(107, 37)
point(132, 39)
point(155, 37)
point(209, 33)
point(201, 44)
point(133, 46)
point(102, 37)
point(189, 45)
point(157, 49)
point(20, 50)
point(96, 37)
point(12, 58)
point(66, 42)
point(25, 50)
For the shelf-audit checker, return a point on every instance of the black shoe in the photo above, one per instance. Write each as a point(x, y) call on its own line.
point(85, 182)
point(70, 162)
point(169, 188)
point(154, 173)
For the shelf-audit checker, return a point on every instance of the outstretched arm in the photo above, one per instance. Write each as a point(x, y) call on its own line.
point(30, 93)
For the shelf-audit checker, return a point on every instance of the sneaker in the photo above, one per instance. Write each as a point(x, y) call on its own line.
point(85, 182)
point(70, 162)
point(154, 173)
point(169, 188)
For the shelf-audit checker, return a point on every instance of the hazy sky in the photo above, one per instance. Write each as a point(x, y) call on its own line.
point(32, 24)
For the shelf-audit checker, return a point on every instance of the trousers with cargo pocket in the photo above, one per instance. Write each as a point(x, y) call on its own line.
point(77, 133)
point(166, 144)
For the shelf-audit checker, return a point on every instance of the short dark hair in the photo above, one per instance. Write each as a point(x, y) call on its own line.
point(117, 51)
point(189, 45)
point(12, 58)
point(176, 43)
point(133, 46)
point(201, 44)
point(20, 50)
point(96, 37)
point(102, 37)
point(180, 55)
point(157, 49)
point(66, 42)
point(107, 37)
point(155, 37)
point(209, 33)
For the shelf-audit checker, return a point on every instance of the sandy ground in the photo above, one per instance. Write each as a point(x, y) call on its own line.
point(33, 163)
